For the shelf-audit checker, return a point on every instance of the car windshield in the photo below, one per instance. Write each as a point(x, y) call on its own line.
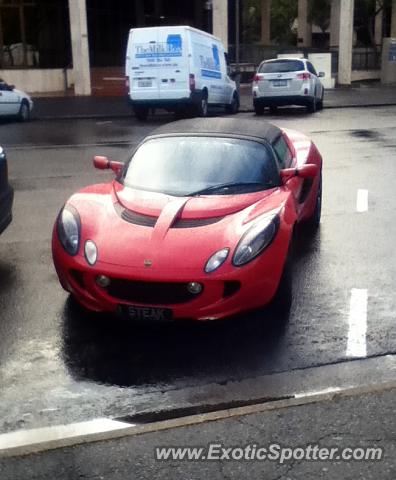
point(281, 66)
point(184, 166)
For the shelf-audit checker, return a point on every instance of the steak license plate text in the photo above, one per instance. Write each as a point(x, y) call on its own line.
point(149, 314)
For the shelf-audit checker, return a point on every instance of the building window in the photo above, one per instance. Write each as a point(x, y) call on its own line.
point(34, 33)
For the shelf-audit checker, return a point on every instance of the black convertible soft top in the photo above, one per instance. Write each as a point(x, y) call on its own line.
point(227, 126)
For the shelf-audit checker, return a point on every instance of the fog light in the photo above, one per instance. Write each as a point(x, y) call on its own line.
point(91, 252)
point(194, 287)
point(103, 281)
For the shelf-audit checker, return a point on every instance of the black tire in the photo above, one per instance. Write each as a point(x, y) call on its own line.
point(273, 109)
point(233, 107)
point(141, 113)
point(320, 103)
point(314, 221)
point(258, 109)
point(24, 111)
point(312, 105)
point(202, 108)
point(282, 301)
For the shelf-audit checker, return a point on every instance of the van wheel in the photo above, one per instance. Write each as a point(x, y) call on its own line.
point(141, 113)
point(202, 110)
point(233, 107)
point(24, 112)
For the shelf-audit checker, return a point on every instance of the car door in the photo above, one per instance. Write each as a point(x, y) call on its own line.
point(9, 100)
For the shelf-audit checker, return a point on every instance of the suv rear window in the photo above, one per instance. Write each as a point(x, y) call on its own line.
point(282, 66)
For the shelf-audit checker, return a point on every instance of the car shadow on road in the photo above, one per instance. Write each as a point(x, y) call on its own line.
point(108, 350)
point(7, 276)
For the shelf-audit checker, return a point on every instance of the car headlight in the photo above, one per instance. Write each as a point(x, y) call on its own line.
point(69, 229)
point(255, 240)
point(216, 260)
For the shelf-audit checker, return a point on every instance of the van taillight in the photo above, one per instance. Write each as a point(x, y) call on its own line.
point(127, 82)
point(192, 82)
point(304, 76)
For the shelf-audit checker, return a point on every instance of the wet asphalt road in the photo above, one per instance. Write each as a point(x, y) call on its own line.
point(57, 368)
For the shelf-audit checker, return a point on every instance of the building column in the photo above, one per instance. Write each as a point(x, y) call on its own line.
point(378, 24)
point(220, 20)
point(304, 28)
point(393, 20)
point(266, 22)
point(346, 42)
point(335, 23)
point(80, 49)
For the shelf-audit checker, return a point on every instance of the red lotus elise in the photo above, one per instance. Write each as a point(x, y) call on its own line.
point(198, 224)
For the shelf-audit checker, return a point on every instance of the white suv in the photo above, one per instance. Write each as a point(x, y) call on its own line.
point(287, 81)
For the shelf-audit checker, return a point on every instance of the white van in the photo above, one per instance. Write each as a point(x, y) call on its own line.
point(179, 69)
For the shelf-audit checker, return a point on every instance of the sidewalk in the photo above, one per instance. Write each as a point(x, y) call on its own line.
point(359, 95)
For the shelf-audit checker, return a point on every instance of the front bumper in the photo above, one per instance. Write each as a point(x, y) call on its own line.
point(237, 290)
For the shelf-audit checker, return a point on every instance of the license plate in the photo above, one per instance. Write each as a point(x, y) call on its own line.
point(144, 83)
point(147, 314)
point(279, 83)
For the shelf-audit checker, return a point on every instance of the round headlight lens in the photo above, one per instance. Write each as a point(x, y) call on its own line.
point(69, 227)
point(216, 260)
point(91, 252)
point(255, 240)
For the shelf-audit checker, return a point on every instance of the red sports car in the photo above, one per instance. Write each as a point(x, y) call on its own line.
point(198, 224)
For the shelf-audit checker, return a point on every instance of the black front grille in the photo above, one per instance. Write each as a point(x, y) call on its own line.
point(151, 293)
point(195, 222)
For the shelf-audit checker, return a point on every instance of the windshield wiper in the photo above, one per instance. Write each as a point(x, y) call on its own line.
point(225, 185)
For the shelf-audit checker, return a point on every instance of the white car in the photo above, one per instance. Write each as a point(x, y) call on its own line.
point(287, 81)
point(14, 103)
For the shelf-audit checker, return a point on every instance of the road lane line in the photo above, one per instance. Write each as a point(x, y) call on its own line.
point(362, 200)
point(357, 321)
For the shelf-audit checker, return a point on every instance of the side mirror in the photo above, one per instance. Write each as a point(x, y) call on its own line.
point(321, 74)
point(309, 170)
point(103, 163)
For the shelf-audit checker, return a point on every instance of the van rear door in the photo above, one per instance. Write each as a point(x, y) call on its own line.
point(172, 61)
point(142, 64)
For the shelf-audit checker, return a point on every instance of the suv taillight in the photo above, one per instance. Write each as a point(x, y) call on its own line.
point(304, 76)
point(258, 77)
point(191, 80)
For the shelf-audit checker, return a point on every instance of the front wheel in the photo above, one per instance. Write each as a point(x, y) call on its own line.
point(233, 107)
point(203, 107)
point(320, 103)
point(24, 112)
point(312, 105)
point(282, 301)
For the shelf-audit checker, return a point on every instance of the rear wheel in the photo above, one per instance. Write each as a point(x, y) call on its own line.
point(202, 110)
point(233, 107)
point(314, 221)
point(24, 112)
point(141, 113)
point(320, 103)
point(259, 109)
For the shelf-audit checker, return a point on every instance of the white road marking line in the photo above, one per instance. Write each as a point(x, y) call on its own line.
point(317, 392)
point(362, 200)
point(104, 123)
point(357, 323)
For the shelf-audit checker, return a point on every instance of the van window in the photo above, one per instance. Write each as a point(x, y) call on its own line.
point(280, 66)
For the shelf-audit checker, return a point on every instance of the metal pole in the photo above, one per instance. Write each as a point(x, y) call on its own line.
point(237, 34)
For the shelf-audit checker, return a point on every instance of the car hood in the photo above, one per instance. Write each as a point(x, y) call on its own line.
point(131, 226)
